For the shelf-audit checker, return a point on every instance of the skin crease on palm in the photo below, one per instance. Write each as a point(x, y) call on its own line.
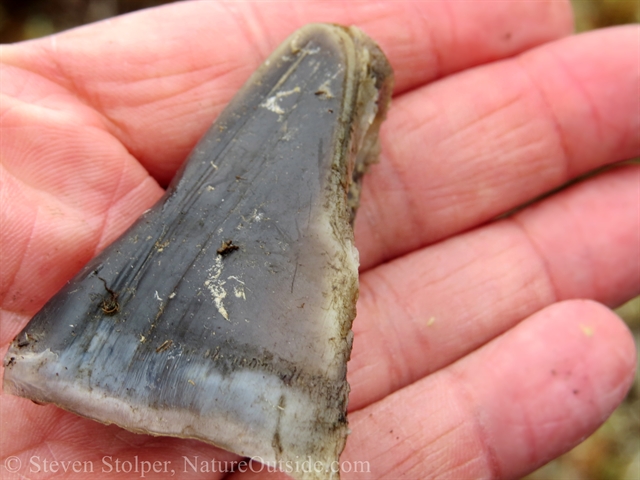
point(483, 348)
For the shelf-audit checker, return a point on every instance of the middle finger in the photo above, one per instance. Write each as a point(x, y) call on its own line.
point(419, 313)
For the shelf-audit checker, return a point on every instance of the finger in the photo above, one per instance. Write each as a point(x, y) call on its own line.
point(525, 398)
point(426, 310)
point(171, 70)
point(460, 152)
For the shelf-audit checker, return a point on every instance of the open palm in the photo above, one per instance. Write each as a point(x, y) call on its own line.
point(474, 355)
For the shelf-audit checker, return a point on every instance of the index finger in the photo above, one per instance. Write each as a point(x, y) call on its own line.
point(165, 73)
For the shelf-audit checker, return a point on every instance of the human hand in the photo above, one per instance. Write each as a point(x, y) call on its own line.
point(472, 355)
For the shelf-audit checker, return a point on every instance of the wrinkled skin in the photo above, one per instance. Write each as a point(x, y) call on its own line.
point(483, 348)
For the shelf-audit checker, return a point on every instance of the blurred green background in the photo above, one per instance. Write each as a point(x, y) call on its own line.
point(611, 453)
